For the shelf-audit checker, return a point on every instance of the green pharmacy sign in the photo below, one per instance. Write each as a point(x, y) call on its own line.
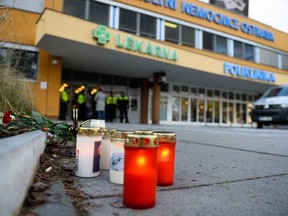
point(102, 35)
point(136, 45)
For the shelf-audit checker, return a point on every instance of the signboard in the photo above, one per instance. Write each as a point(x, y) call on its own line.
point(235, 6)
point(250, 73)
point(196, 11)
point(135, 44)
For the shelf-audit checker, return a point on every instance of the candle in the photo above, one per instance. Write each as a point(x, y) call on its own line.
point(116, 171)
point(140, 171)
point(166, 157)
point(88, 146)
point(105, 148)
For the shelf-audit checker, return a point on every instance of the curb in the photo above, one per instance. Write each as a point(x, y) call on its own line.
point(19, 159)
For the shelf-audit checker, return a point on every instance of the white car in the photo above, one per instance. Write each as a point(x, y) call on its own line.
point(271, 107)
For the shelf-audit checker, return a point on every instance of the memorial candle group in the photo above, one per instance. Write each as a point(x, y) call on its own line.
point(140, 160)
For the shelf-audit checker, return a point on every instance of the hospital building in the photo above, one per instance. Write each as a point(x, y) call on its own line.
point(178, 61)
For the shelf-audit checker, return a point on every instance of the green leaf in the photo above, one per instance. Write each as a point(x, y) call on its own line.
point(62, 126)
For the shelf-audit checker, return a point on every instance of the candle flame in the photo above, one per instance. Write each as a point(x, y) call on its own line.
point(141, 161)
point(165, 153)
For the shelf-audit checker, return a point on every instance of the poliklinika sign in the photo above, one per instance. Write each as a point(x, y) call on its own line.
point(247, 72)
point(203, 13)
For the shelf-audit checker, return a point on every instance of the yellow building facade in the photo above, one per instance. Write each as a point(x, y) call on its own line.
point(179, 61)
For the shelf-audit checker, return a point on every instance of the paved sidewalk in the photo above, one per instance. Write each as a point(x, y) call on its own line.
point(219, 171)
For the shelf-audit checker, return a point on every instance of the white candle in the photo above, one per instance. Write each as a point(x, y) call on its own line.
point(116, 171)
point(105, 153)
point(88, 145)
point(117, 162)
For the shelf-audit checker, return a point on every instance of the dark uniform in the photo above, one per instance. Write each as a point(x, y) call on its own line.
point(81, 102)
point(123, 105)
point(111, 105)
point(64, 100)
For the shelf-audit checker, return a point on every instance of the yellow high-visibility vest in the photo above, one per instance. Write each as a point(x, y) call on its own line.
point(64, 96)
point(111, 100)
point(81, 99)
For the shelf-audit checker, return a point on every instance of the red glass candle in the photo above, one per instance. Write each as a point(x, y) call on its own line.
point(140, 171)
point(166, 157)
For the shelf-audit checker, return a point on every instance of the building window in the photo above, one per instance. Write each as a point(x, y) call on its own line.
point(231, 96)
point(120, 80)
point(209, 93)
point(193, 91)
point(34, 6)
point(176, 89)
point(179, 34)
point(284, 62)
point(22, 61)
point(128, 21)
point(208, 41)
point(106, 79)
point(136, 23)
point(188, 36)
point(99, 13)
point(249, 52)
point(201, 92)
point(243, 51)
point(164, 87)
point(238, 49)
point(75, 8)
point(268, 57)
point(216, 94)
point(214, 43)
point(171, 32)
point(221, 45)
point(184, 90)
point(84, 76)
point(147, 26)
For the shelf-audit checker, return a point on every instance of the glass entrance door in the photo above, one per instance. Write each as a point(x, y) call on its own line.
point(201, 110)
point(184, 109)
point(209, 113)
point(175, 108)
point(163, 108)
point(193, 109)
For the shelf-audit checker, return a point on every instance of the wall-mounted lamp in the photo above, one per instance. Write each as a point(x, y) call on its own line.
point(54, 61)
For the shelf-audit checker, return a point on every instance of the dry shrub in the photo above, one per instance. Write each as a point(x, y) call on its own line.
point(15, 93)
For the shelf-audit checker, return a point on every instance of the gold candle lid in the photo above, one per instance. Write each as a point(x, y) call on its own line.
point(106, 132)
point(120, 135)
point(89, 131)
point(165, 136)
point(142, 140)
point(147, 132)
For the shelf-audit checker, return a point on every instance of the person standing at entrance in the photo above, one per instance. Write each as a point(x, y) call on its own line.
point(64, 100)
point(123, 105)
point(100, 100)
point(111, 105)
point(81, 104)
